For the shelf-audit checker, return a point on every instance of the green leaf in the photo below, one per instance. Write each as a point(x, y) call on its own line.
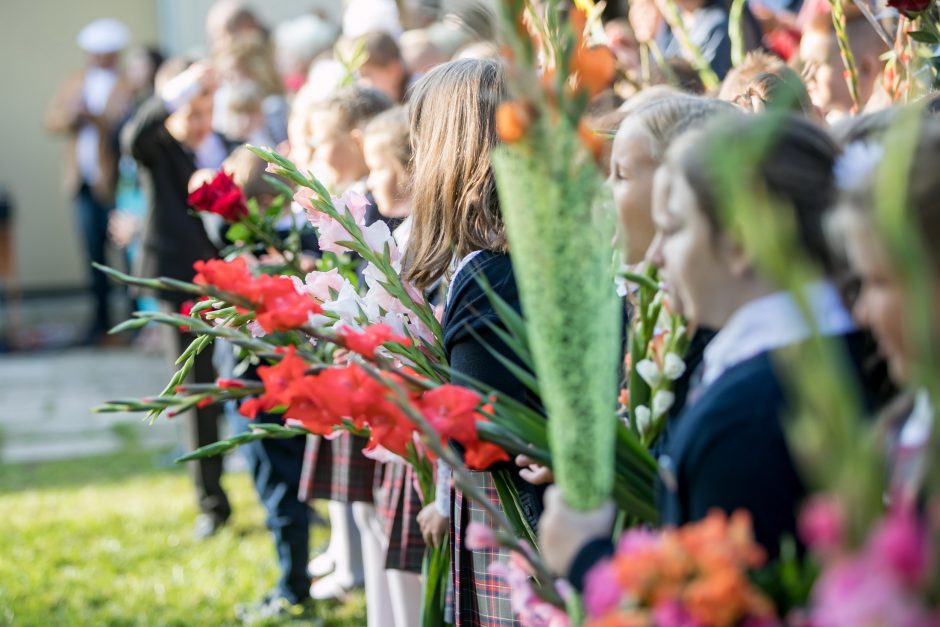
point(129, 325)
point(922, 36)
point(238, 232)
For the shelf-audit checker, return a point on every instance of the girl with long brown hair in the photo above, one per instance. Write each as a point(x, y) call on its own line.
point(458, 235)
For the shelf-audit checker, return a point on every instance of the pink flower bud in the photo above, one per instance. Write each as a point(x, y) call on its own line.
point(901, 541)
point(479, 537)
point(822, 523)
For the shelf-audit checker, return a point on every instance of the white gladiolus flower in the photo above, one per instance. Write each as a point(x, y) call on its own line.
point(649, 372)
point(662, 402)
point(673, 366)
point(643, 418)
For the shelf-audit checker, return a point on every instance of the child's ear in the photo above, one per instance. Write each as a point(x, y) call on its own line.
point(358, 136)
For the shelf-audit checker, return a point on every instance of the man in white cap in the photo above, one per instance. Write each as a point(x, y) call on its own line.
point(87, 109)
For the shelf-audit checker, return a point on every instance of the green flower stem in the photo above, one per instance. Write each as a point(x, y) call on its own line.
point(293, 262)
point(323, 202)
point(848, 59)
point(736, 31)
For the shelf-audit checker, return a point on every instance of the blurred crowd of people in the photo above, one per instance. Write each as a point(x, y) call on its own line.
point(331, 89)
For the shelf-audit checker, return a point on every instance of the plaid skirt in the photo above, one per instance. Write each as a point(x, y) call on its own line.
point(479, 598)
point(336, 470)
point(397, 503)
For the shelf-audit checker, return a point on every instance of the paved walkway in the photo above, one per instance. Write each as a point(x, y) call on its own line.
point(46, 401)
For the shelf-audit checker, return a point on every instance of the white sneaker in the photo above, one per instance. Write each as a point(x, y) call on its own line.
point(321, 566)
point(331, 587)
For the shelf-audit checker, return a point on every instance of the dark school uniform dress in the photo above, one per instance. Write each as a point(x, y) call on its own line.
point(480, 599)
point(397, 503)
point(728, 449)
point(336, 470)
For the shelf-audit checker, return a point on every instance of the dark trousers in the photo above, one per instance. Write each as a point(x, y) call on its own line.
point(201, 427)
point(92, 217)
point(275, 466)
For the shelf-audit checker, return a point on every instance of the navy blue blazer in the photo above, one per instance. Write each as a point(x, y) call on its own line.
point(728, 451)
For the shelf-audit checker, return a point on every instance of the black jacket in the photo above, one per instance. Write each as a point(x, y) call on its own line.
point(173, 238)
point(467, 335)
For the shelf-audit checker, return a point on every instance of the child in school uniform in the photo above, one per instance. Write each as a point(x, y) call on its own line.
point(883, 304)
point(336, 470)
point(458, 233)
point(393, 549)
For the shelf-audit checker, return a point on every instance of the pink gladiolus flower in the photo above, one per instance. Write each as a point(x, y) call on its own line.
point(637, 540)
point(821, 524)
point(355, 202)
point(531, 610)
point(601, 590)
point(901, 542)
point(861, 591)
point(479, 537)
point(673, 614)
point(420, 330)
point(319, 284)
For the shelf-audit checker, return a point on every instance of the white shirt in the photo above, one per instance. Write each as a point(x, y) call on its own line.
point(211, 152)
point(96, 90)
point(773, 322)
point(916, 429)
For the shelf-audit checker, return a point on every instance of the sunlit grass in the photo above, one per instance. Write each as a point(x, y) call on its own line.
point(107, 541)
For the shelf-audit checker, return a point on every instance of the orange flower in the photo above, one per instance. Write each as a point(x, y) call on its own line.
point(624, 618)
point(624, 398)
point(513, 120)
point(591, 140)
point(718, 599)
point(595, 67)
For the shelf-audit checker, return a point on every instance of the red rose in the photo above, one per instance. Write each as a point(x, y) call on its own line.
point(220, 196)
point(909, 7)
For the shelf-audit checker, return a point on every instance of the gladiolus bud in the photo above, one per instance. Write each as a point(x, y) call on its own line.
point(673, 366)
point(663, 402)
point(649, 372)
point(643, 418)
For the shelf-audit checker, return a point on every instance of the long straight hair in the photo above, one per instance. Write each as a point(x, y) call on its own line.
point(453, 132)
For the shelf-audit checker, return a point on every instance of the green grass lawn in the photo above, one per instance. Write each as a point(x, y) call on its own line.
point(107, 541)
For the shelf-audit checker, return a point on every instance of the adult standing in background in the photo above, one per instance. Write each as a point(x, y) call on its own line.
point(171, 137)
point(88, 107)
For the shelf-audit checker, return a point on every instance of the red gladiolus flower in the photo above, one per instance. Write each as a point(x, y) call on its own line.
point(277, 381)
point(277, 303)
point(220, 196)
point(452, 411)
point(280, 307)
point(482, 455)
point(229, 384)
point(370, 339)
point(391, 429)
point(229, 276)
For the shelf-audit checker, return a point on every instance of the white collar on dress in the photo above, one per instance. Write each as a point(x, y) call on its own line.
point(916, 429)
point(771, 322)
point(453, 277)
